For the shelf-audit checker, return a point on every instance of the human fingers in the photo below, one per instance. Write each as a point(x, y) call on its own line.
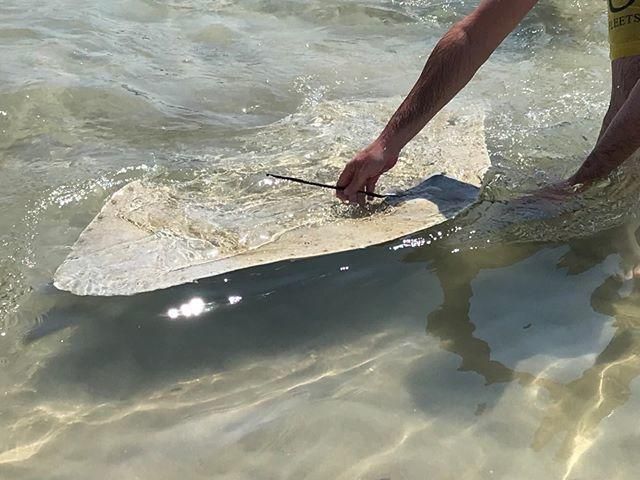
point(357, 184)
point(559, 191)
point(371, 185)
point(624, 273)
point(344, 180)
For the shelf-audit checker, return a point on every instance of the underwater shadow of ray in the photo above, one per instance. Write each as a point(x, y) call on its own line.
point(121, 346)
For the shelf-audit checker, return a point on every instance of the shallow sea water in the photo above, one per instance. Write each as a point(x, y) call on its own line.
point(491, 347)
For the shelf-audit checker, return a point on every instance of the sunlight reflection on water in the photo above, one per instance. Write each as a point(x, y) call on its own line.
point(509, 355)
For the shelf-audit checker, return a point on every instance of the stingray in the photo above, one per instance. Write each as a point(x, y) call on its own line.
point(150, 236)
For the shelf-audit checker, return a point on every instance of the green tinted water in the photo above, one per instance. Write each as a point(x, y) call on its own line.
point(488, 353)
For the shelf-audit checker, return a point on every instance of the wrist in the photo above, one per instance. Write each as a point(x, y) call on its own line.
point(592, 169)
point(388, 147)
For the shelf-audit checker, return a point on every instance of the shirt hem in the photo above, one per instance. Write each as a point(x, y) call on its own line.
point(628, 49)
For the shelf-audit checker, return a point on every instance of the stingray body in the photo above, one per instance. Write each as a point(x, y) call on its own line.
point(149, 236)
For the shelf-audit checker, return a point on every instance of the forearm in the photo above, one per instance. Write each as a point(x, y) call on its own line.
point(620, 140)
point(448, 70)
point(452, 64)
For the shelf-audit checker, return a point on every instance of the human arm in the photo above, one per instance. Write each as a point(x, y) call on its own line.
point(618, 142)
point(453, 62)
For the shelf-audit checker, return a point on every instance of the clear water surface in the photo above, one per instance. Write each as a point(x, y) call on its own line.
point(505, 348)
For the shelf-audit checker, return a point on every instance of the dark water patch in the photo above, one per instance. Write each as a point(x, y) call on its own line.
point(256, 313)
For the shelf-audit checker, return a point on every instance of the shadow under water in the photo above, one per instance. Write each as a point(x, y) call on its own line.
point(127, 349)
point(576, 407)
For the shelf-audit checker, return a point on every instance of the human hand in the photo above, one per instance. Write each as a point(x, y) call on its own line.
point(626, 244)
point(558, 191)
point(363, 171)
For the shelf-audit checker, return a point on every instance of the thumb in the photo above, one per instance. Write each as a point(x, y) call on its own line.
point(344, 181)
